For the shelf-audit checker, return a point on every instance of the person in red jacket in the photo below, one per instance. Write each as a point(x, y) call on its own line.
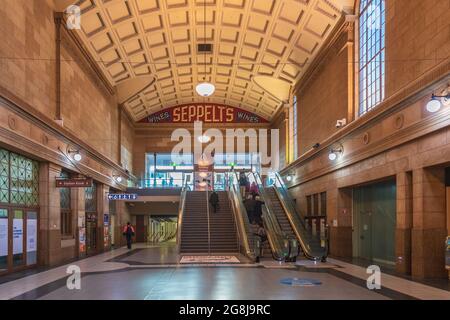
point(128, 232)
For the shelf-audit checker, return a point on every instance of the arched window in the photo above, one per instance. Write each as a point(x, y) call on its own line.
point(371, 54)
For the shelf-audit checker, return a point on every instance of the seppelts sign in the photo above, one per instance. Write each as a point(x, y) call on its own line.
point(204, 112)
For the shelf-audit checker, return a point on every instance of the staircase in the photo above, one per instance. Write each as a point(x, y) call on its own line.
point(194, 229)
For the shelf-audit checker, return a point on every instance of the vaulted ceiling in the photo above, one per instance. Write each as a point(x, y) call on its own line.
point(250, 38)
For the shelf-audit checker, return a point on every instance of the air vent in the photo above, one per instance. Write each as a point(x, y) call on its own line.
point(204, 48)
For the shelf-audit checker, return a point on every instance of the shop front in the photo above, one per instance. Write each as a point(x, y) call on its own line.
point(19, 212)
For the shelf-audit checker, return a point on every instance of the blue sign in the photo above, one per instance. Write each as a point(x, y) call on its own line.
point(296, 282)
point(122, 196)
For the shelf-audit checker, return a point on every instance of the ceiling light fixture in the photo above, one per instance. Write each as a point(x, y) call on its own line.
point(205, 89)
point(118, 179)
point(204, 139)
point(435, 104)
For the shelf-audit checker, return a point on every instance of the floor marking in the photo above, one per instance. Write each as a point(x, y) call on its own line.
point(209, 259)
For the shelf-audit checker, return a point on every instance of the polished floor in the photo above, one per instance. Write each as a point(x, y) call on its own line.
point(155, 273)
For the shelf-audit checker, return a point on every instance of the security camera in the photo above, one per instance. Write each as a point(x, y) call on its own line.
point(341, 123)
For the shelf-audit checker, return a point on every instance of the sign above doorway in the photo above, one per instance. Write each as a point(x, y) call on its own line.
point(204, 112)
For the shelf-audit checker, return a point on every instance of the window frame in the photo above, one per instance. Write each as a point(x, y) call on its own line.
point(370, 95)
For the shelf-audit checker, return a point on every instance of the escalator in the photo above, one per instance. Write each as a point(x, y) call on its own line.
point(280, 245)
point(279, 202)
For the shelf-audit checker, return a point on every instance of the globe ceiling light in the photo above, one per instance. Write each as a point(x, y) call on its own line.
point(203, 174)
point(205, 89)
point(204, 139)
point(332, 156)
point(289, 178)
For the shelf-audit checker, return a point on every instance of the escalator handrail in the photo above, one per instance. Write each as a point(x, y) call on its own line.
point(241, 216)
point(271, 223)
point(297, 222)
point(181, 211)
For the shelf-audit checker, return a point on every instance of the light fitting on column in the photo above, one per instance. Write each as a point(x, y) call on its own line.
point(76, 154)
point(336, 152)
point(118, 179)
point(435, 104)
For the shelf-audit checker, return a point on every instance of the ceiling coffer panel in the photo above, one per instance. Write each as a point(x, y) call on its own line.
point(248, 38)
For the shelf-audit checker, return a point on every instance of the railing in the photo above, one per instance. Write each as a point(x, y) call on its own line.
point(310, 243)
point(160, 183)
point(246, 237)
point(278, 240)
point(181, 210)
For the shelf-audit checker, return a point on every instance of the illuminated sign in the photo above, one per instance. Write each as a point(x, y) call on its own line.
point(122, 196)
point(204, 112)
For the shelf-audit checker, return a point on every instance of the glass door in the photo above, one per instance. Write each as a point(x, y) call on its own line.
point(4, 241)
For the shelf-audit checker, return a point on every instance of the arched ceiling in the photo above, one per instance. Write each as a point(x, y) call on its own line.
point(159, 38)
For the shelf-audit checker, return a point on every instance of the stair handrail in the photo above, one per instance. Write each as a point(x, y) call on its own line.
point(297, 221)
point(207, 214)
point(181, 210)
point(241, 216)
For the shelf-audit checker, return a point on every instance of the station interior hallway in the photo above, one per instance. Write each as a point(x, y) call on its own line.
point(155, 273)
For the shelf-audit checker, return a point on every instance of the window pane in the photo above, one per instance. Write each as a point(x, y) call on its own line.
point(372, 62)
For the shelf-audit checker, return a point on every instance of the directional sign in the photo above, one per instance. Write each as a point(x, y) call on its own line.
point(74, 183)
point(122, 196)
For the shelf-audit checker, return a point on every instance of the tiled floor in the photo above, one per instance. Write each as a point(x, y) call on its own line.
point(155, 273)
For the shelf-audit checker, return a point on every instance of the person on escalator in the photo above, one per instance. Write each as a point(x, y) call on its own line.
point(257, 211)
point(214, 201)
point(249, 204)
point(261, 233)
point(254, 188)
point(128, 232)
point(243, 182)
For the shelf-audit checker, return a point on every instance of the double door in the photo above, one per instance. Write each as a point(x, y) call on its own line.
point(18, 238)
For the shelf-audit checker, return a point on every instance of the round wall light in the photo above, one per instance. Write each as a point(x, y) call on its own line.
point(205, 89)
point(336, 152)
point(289, 178)
point(434, 105)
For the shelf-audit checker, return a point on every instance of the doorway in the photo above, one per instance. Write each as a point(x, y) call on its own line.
point(374, 222)
point(18, 238)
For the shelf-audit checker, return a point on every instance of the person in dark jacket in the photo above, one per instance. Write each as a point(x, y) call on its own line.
point(250, 204)
point(128, 232)
point(243, 184)
point(257, 211)
point(214, 201)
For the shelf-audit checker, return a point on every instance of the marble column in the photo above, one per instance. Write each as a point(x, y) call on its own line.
point(429, 223)
point(404, 222)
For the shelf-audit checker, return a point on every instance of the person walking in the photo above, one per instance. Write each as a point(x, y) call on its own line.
point(243, 182)
point(128, 232)
point(214, 200)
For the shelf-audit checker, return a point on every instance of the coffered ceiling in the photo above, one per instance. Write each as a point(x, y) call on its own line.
point(159, 38)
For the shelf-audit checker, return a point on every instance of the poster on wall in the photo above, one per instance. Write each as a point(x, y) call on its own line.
point(82, 240)
point(31, 235)
point(3, 237)
point(17, 236)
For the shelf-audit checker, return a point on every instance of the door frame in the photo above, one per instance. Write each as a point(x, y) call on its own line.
point(25, 211)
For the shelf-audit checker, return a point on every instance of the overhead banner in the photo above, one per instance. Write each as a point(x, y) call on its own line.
point(204, 112)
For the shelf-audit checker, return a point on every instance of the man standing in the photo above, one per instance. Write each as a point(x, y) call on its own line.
point(128, 232)
point(214, 200)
